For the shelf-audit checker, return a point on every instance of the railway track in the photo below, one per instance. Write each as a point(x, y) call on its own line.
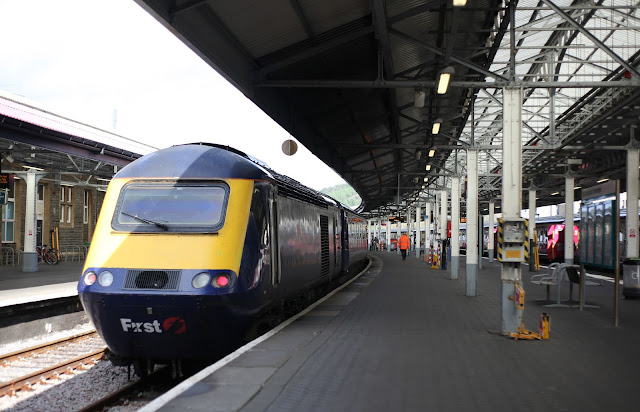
point(21, 369)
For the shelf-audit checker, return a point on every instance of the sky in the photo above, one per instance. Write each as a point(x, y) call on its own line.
point(89, 59)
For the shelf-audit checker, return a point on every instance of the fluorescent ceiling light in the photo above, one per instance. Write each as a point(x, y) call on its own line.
point(428, 167)
point(602, 180)
point(436, 126)
point(555, 193)
point(432, 152)
point(444, 79)
point(459, 3)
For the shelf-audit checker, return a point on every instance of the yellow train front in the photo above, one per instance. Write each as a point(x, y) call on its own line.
point(185, 256)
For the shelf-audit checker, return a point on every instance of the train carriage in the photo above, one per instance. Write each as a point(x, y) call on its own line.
point(194, 243)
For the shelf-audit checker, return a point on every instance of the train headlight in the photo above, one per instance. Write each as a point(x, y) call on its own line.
point(200, 280)
point(105, 279)
point(221, 281)
point(90, 278)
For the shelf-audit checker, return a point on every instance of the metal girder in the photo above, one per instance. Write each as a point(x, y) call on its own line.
point(591, 37)
point(412, 84)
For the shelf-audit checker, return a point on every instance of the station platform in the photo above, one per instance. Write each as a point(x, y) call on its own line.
point(49, 282)
point(404, 337)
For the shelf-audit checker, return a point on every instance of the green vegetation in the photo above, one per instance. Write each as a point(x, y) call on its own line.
point(344, 194)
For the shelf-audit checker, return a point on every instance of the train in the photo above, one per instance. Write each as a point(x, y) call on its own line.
point(196, 243)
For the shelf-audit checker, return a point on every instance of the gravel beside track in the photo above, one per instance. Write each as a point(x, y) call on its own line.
point(72, 390)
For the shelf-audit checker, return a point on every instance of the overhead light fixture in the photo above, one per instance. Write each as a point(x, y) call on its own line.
point(418, 100)
point(555, 193)
point(577, 187)
point(428, 167)
point(444, 79)
point(459, 3)
point(9, 158)
point(426, 179)
point(436, 126)
point(432, 152)
point(37, 169)
point(602, 180)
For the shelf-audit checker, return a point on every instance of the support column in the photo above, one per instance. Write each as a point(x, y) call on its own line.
point(472, 223)
point(632, 203)
point(568, 220)
point(443, 214)
point(379, 231)
point(490, 241)
point(511, 273)
point(387, 243)
point(418, 214)
point(398, 234)
point(436, 221)
point(30, 257)
point(409, 231)
point(427, 228)
point(480, 238)
point(532, 229)
point(443, 225)
point(455, 226)
point(369, 234)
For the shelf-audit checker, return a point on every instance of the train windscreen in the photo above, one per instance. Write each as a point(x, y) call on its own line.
point(158, 207)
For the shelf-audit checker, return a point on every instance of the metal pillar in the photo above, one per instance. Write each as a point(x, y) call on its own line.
point(418, 215)
point(480, 239)
point(568, 219)
point(511, 273)
point(472, 223)
point(455, 227)
point(632, 202)
point(398, 233)
point(443, 214)
point(427, 228)
point(30, 256)
point(410, 230)
point(379, 231)
point(490, 241)
point(387, 243)
point(532, 229)
point(370, 234)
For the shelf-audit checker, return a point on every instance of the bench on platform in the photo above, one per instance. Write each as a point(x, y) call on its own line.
point(562, 272)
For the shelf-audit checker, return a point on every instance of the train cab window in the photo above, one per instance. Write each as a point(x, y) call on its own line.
point(173, 207)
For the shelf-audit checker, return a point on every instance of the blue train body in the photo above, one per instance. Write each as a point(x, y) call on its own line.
point(195, 242)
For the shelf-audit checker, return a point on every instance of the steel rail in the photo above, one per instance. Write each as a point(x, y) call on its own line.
point(7, 358)
point(9, 388)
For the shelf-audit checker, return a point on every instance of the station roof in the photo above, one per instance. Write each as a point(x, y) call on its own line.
point(354, 81)
point(33, 137)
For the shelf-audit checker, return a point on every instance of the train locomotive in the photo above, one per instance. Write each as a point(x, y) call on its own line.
point(196, 242)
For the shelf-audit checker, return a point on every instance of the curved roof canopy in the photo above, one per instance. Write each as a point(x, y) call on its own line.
point(355, 81)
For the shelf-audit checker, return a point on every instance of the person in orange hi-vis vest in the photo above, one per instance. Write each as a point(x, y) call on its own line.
point(404, 245)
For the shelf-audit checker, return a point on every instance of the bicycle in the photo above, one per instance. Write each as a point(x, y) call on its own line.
point(47, 255)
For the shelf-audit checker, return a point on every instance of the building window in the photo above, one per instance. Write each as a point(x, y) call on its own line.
point(8, 218)
point(85, 208)
point(66, 205)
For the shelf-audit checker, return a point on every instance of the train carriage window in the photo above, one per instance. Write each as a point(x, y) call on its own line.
point(174, 207)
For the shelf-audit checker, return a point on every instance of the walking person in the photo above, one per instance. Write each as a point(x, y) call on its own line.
point(404, 244)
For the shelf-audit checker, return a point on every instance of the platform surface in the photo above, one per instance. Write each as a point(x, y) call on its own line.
point(49, 282)
point(404, 337)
